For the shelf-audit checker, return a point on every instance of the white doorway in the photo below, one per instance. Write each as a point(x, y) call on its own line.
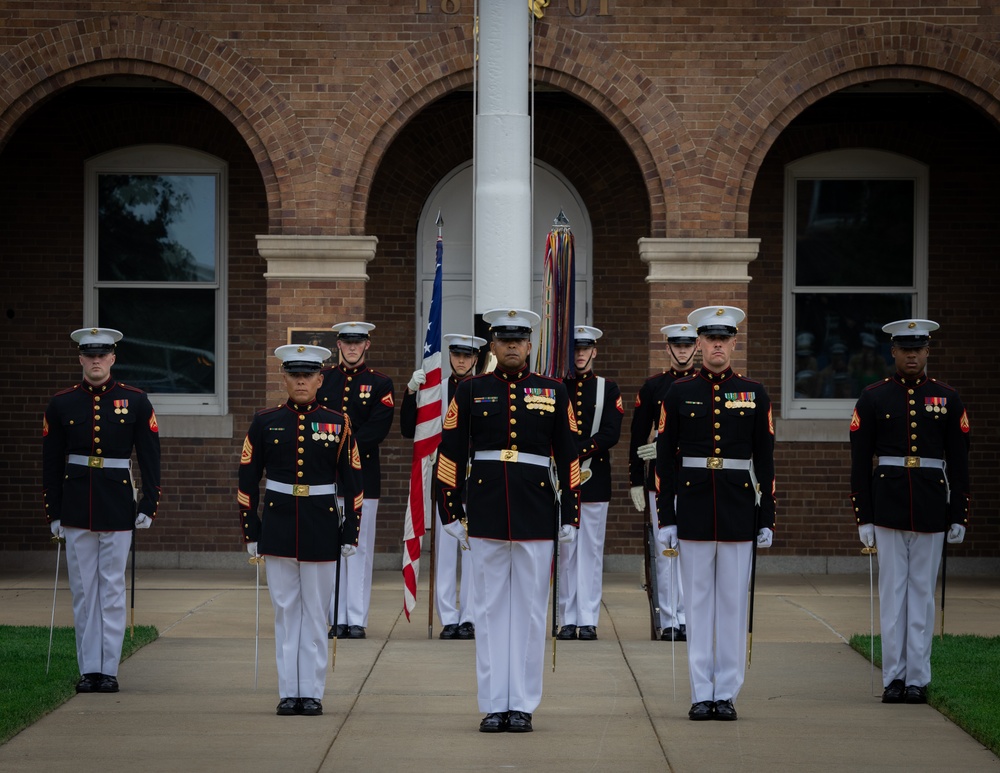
point(452, 197)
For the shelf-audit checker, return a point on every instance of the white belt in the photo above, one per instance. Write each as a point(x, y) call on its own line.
point(911, 461)
point(716, 463)
point(508, 455)
point(720, 463)
point(301, 489)
point(98, 461)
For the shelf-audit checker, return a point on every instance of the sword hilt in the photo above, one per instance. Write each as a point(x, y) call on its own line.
point(869, 551)
point(670, 552)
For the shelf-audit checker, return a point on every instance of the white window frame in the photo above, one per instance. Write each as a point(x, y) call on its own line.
point(167, 160)
point(848, 164)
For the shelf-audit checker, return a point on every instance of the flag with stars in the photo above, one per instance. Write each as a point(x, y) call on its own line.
point(419, 507)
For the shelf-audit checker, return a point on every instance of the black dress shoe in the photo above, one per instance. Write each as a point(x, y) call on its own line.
point(914, 694)
point(567, 632)
point(310, 707)
point(702, 710)
point(288, 707)
point(337, 632)
point(355, 632)
point(450, 631)
point(725, 711)
point(466, 631)
point(894, 692)
point(588, 632)
point(519, 722)
point(495, 722)
point(107, 683)
point(673, 634)
point(88, 683)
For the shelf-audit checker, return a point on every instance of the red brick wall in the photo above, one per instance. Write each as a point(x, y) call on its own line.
point(41, 230)
point(960, 146)
point(672, 119)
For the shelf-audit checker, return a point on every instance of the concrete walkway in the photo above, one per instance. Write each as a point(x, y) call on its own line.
point(399, 701)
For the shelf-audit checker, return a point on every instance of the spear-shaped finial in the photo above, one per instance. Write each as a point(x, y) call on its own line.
point(561, 220)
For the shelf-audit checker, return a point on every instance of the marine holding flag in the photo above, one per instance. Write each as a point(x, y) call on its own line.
point(457, 619)
point(598, 406)
point(502, 432)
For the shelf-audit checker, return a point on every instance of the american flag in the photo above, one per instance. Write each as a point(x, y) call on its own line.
point(425, 443)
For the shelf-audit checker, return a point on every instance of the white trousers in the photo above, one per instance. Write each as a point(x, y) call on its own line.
point(299, 594)
point(716, 580)
point(670, 587)
point(453, 597)
point(96, 563)
point(356, 573)
point(907, 573)
point(581, 568)
point(512, 591)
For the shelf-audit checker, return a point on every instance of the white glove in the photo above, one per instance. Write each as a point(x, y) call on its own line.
point(252, 549)
point(765, 537)
point(667, 535)
point(956, 533)
point(567, 533)
point(348, 550)
point(143, 521)
point(647, 452)
point(867, 533)
point(419, 377)
point(638, 494)
point(456, 529)
point(57, 529)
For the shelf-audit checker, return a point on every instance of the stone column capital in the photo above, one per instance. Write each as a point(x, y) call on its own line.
point(710, 260)
point(317, 257)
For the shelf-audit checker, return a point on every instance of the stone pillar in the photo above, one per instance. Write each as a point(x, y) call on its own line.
point(685, 274)
point(313, 282)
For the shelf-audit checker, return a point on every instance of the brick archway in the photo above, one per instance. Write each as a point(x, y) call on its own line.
point(134, 45)
point(960, 63)
point(589, 70)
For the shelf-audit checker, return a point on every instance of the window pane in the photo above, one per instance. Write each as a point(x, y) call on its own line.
point(854, 232)
point(839, 344)
point(156, 228)
point(169, 343)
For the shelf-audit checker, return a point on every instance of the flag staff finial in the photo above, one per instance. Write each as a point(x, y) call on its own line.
point(439, 222)
point(561, 220)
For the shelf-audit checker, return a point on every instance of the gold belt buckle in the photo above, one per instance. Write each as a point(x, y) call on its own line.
point(714, 463)
point(95, 461)
point(508, 455)
point(300, 490)
point(911, 461)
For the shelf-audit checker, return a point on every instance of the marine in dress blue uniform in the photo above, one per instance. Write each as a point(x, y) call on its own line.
point(454, 600)
point(310, 458)
point(88, 434)
point(682, 340)
point(502, 432)
point(365, 396)
point(917, 430)
point(597, 405)
point(715, 464)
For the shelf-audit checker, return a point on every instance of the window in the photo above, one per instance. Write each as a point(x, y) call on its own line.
point(155, 268)
point(855, 257)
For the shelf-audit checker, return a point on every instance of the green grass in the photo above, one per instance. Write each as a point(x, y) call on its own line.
point(965, 672)
point(27, 693)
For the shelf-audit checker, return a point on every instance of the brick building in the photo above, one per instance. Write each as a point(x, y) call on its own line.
point(827, 166)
